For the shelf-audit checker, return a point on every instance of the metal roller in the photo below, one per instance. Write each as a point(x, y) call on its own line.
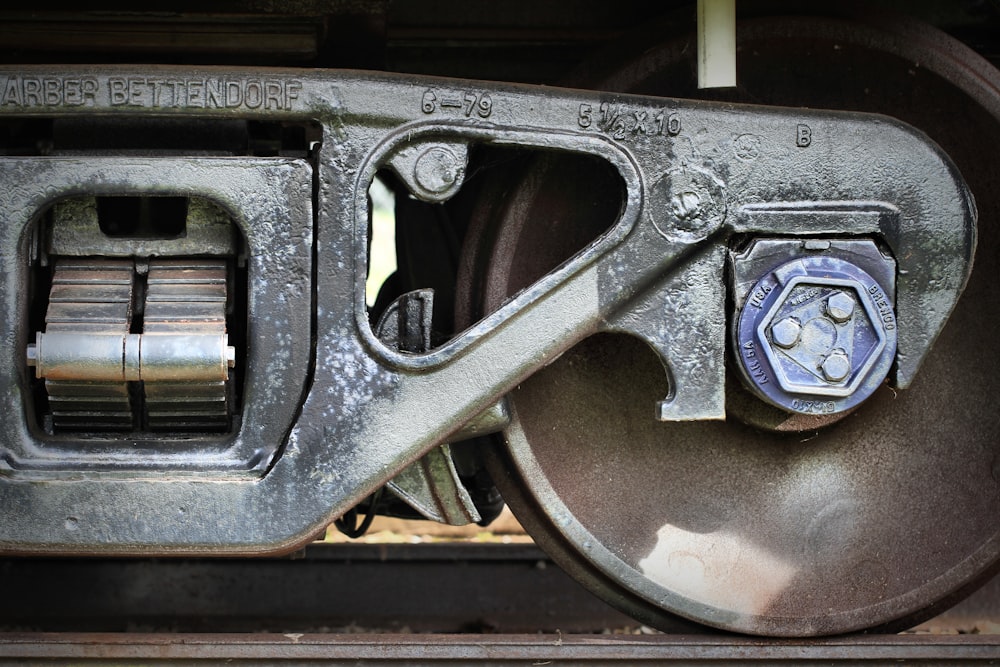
point(132, 357)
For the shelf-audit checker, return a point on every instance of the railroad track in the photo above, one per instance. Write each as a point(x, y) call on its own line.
point(492, 650)
point(392, 605)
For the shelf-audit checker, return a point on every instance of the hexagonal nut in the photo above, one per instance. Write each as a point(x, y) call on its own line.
point(840, 306)
point(785, 333)
point(837, 366)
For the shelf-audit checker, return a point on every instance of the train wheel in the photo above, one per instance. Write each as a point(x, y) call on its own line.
point(873, 521)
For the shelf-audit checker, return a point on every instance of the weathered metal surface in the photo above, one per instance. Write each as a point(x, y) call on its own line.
point(492, 650)
point(75, 230)
point(265, 198)
point(92, 297)
point(728, 524)
point(147, 357)
point(371, 410)
point(187, 379)
point(434, 171)
point(500, 588)
point(429, 587)
point(330, 412)
point(813, 331)
point(433, 488)
point(432, 485)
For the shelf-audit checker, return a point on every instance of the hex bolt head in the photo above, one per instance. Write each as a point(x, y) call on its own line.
point(840, 306)
point(32, 355)
point(785, 333)
point(837, 366)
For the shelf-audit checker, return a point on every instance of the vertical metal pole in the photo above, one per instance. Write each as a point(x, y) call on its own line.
point(716, 43)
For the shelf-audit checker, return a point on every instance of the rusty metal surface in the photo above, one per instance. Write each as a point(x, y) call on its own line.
point(338, 588)
point(747, 528)
point(276, 223)
point(491, 650)
point(331, 413)
point(104, 289)
point(371, 410)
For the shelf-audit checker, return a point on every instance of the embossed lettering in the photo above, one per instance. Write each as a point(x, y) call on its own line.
point(253, 94)
point(622, 121)
point(671, 128)
point(52, 91)
point(213, 94)
point(885, 311)
point(609, 115)
point(640, 122)
point(485, 106)
point(753, 364)
point(292, 89)
point(234, 94)
point(814, 407)
point(194, 94)
point(32, 92)
point(88, 89)
point(47, 92)
point(135, 92)
point(221, 93)
point(429, 102)
point(72, 92)
point(12, 92)
point(126, 92)
point(803, 136)
point(759, 294)
point(470, 101)
point(117, 91)
point(272, 95)
point(673, 124)
point(804, 295)
point(463, 102)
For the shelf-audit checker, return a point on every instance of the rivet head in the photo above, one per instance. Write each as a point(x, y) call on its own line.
point(785, 333)
point(437, 170)
point(840, 306)
point(686, 205)
point(837, 366)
